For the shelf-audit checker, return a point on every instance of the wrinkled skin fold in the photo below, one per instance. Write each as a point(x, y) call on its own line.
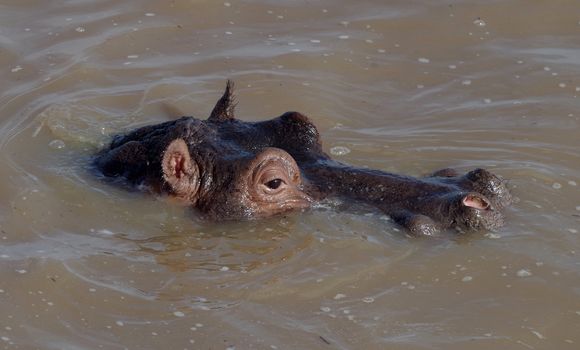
point(230, 169)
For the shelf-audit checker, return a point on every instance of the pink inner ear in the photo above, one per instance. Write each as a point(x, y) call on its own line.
point(177, 163)
point(475, 202)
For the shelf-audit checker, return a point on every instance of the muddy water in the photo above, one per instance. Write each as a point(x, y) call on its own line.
point(403, 86)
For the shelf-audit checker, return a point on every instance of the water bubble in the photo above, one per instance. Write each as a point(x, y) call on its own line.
point(479, 22)
point(538, 334)
point(523, 273)
point(339, 151)
point(57, 144)
point(556, 186)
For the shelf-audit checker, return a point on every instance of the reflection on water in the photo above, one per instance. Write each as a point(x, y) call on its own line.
point(407, 87)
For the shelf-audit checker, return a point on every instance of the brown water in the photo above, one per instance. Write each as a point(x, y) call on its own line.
point(405, 86)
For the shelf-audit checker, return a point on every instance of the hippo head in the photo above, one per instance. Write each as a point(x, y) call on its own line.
point(230, 169)
point(225, 168)
point(236, 185)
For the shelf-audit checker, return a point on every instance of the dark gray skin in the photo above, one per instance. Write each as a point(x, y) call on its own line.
point(231, 169)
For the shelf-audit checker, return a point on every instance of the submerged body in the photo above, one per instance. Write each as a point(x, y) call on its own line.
point(230, 169)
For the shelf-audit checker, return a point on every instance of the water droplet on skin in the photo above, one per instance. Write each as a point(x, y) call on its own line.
point(339, 151)
point(523, 273)
point(57, 144)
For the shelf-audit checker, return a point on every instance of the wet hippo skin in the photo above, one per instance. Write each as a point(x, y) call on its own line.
point(230, 169)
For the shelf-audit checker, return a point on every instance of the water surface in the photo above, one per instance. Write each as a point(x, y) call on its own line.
point(403, 86)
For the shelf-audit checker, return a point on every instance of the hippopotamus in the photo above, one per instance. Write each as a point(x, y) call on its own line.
point(229, 169)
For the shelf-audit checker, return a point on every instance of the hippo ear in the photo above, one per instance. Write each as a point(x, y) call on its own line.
point(179, 172)
point(224, 108)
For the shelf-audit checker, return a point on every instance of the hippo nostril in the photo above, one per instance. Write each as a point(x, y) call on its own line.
point(474, 201)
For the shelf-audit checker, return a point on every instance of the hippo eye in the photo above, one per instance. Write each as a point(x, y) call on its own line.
point(274, 184)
